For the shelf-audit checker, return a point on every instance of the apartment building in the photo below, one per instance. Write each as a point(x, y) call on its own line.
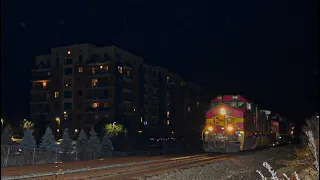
point(82, 85)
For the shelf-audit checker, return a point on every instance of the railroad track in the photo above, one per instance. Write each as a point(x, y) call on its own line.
point(152, 168)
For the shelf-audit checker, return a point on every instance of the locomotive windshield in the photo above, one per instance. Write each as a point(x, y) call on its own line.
point(238, 104)
point(215, 104)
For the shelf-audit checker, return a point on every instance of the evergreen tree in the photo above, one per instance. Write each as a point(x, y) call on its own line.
point(107, 145)
point(82, 142)
point(93, 142)
point(6, 137)
point(48, 141)
point(28, 140)
point(66, 143)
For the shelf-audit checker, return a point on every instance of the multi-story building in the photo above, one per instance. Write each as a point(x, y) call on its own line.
point(82, 85)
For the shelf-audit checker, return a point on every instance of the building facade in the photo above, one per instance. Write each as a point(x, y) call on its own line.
point(82, 85)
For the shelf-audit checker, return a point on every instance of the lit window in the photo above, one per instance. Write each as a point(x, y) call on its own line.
point(80, 69)
point(68, 82)
point(95, 105)
point(106, 68)
point(168, 122)
point(141, 119)
point(168, 113)
point(197, 104)
point(44, 84)
point(93, 70)
point(69, 52)
point(94, 82)
point(128, 73)
point(101, 67)
point(105, 104)
point(189, 109)
point(120, 69)
point(56, 94)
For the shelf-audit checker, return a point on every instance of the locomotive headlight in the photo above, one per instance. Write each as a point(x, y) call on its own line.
point(230, 128)
point(222, 111)
point(210, 128)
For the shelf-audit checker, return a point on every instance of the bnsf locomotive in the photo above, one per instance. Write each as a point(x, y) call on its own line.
point(234, 124)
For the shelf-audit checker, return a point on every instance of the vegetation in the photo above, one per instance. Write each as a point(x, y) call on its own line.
point(28, 140)
point(306, 161)
point(107, 145)
point(66, 143)
point(48, 140)
point(82, 142)
point(93, 142)
point(6, 137)
point(115, 129)
point(27, 125)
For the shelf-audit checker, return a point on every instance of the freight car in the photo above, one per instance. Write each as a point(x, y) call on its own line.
point(234, 124)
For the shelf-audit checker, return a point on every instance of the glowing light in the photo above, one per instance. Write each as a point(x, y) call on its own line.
point(44, 84)
point(172, 132)
point(210, 128)
point(76, 130)
point(230, 128)
point(139, 131)
point(207, 132)
point(222, 111)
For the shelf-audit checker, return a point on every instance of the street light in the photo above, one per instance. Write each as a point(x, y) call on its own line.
point(58, 123)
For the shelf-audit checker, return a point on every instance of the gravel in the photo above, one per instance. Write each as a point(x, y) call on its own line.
point(242, 166)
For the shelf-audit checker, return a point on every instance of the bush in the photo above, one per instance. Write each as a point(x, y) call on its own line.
point(48, 141)
point(28, 140)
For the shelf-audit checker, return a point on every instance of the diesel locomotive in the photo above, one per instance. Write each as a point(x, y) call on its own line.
point(235, 124)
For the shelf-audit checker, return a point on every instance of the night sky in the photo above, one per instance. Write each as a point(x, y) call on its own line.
point(265, 50)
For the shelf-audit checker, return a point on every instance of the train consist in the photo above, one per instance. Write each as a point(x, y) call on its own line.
point(234, 124)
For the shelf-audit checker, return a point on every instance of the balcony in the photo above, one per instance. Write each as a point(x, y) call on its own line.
point(98, 61)
point(100, 109)
point(41, 68)
point(100, 73)
point(126, 78)
point(100, 86)
point(40, 77)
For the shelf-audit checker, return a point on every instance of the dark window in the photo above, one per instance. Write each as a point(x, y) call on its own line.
point(57, 62)
point(49, 63)
point(105, 93)
point(56, 106)
point(67, 94)
point(41, 64)
point(47, 108)
point(67, 106)
point(80, 59)
point(79, 93)
point(68, 61)
point(67, 71)
point(106, 57)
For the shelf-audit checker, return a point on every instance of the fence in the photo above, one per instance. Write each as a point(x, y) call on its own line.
point(16, 156)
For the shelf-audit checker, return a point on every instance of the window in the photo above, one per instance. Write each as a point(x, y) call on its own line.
point(80, 69)
point(49, 73)
point(128, 73)
point(189, 109)
point(44, 84)
point(67, 94)
point(69, 52)
point(105, 93)
point(94, 82)
point(197, 104)
point(57, 62)
point(120, 69)
point(141, 119)
point(67, 71)
point(79, 93)
point(68, 82)
point(168, 113)
point(95, 105)
point(101, 67)
point(168, 122)
point(105, 104)
point(93, 70)
point(106, 68)
point(67, 106)
point(80, 59)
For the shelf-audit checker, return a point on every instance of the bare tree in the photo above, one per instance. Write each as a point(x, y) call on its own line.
point(311, 132)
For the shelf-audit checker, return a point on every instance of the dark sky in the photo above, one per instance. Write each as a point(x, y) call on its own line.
point(264, 50)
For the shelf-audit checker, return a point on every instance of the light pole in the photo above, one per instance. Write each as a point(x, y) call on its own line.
point(58, 123)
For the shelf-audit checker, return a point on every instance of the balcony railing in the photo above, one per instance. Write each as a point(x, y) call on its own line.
point(100, 73)
point(41, 67)
point(99, 109)
point(40, 77)
point(95, 61)
point(97, 97)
